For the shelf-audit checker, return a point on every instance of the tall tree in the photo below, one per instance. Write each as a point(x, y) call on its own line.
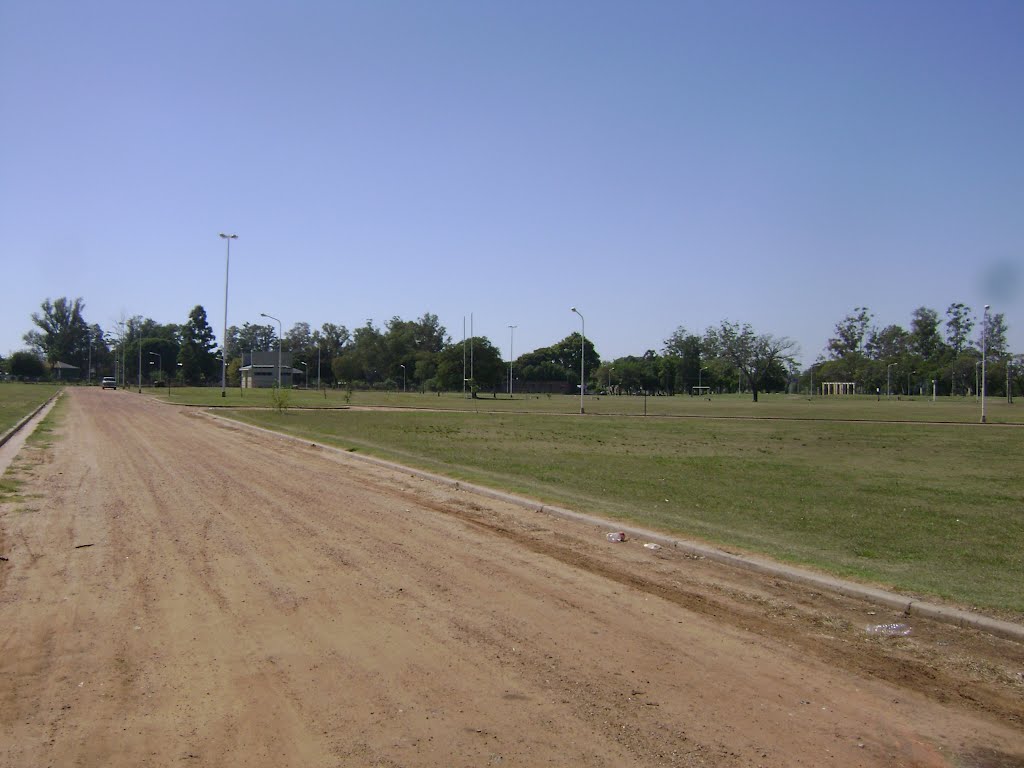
point(757, 356)
point(688, 348)
point(959, 324)
point(993, 335)
point(63, 334)
point(888, 344)
point(924, 333)
point(26, 365)
point(488, 367)
point(851, 332)
point(249, 337)
point(198, 362)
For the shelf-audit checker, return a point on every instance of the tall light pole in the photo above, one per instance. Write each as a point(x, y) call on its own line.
point(318, 345)
point(583, 349)
point(140, 358)
point(511, 355)
point(224, 338)
point(700, 379)
point(984, 354)
point(280, 337)
point(306, 366)
point(403, 377)
point(888, 380)
point(977, 388)
point(160, 361)
point(909, 374)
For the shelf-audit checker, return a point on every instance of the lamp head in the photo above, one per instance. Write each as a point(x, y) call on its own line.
point(229, 237)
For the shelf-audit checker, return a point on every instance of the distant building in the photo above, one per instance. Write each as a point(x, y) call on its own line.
point(66, 371)
point(259, 369)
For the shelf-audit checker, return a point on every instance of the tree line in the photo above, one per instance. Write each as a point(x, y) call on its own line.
point(419, 355)
point(940, 354)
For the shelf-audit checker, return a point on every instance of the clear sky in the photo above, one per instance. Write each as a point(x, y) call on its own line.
point(655, 164)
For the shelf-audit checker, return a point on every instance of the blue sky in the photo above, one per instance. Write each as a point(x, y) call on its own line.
point(656, 164)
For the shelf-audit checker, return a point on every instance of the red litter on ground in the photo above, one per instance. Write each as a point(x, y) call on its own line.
point(617, 536)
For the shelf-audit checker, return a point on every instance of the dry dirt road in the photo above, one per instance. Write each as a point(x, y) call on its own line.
point(180, 592)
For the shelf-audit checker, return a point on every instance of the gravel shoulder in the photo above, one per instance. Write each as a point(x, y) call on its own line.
point(177, 589)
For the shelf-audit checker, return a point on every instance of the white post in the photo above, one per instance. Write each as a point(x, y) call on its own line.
point(224, 339)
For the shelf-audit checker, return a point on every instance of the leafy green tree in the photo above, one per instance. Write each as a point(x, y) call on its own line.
point(993, 335)
point(63, 334)
point(197, 358)
point(332, 340)
point(925, 339)
point(688, 349)
point(757, 356)
point(488, 372)
point(889, 344)
point(249, 337)
point(958, 327)
point(567, 355)
point(851, 333)
point(27, 365)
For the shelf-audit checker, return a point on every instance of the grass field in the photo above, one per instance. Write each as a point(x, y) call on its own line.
point(18, 400)
point(930, 509)
point(944, 409)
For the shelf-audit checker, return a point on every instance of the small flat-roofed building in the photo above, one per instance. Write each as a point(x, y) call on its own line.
point(259, 369)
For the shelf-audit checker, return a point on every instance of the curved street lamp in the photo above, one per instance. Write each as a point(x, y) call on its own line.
point(583, 342)
point(159, 359)
point(280, 337)
point(224, 341)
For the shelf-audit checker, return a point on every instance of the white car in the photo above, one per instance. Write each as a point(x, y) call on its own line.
point(109, 382)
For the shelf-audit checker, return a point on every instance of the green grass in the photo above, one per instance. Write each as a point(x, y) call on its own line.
point(945, 409)
point(931, 509)
point(19, 400)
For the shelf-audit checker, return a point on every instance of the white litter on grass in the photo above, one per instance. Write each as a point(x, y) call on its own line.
point(652, 545)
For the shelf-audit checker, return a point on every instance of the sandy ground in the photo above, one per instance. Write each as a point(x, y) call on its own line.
point(179, 592)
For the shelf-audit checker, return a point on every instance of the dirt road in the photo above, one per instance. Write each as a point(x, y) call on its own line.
point(178, 592)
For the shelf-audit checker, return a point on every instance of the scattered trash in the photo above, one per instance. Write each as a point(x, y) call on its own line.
point(617, 536)
point(888, 630)
point(82, 546)
point(652, 545)
point(3, 558)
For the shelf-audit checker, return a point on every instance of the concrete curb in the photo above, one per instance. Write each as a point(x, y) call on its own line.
point(908, 605)
point(21, 424)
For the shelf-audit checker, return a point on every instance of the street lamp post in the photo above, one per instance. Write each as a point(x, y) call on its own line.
point(888, 380)
point(977, 390)
point(984, 354)
point(511, 355)
point(700, 379)
point(224, 342)
point(403, 377)
point(280, 337)
point(909, 374)
point(1009, 381)
point(583, 342)
point(306, 367)
point(160, 361)
point(140, 359)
